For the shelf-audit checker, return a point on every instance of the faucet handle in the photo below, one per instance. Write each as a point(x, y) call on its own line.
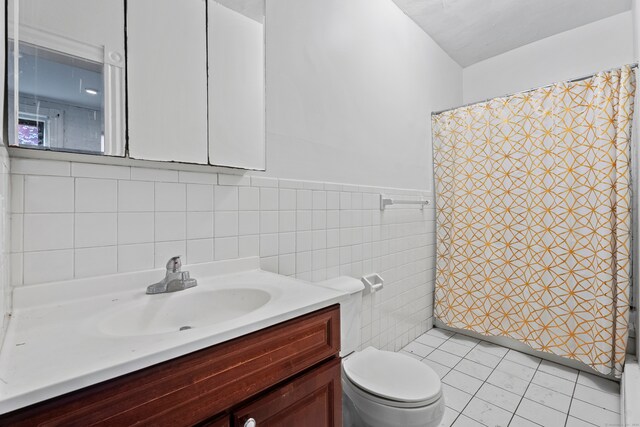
point(174, 264)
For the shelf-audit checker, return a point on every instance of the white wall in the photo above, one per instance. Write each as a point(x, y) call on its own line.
point(5, 198)
point(350, 88)
point(601, 45)
point(630, 387)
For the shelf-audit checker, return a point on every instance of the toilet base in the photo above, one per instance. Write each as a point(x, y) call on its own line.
point(361, 412)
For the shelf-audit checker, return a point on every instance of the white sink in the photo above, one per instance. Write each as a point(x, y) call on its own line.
point(67, 335)
point(181, 311)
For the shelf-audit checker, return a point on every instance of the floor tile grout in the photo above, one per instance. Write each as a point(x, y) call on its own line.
point(593, 388)
point(483, 383)
point(451, 369)
point(523, 394)
point(575, 386)
point(474, 395)
point(566, 420)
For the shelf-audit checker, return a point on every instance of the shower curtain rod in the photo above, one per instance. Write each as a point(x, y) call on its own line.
point(435, 113)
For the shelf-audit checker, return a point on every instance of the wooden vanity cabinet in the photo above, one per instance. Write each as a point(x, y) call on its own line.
point(224, 421)
point(284, 375)
point(312, 400)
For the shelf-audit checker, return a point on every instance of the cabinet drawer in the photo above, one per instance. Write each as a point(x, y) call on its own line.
point(193, 388)
point(218, 422)
point(312, 400)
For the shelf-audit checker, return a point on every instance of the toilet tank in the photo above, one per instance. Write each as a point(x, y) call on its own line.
point(350, 311)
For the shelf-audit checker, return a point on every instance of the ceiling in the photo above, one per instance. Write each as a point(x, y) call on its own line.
point(473, 30)
point(252, 9)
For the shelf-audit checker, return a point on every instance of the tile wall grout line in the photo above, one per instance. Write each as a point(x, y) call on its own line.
point(73, 229)
point(117, 184)
point(23, 210)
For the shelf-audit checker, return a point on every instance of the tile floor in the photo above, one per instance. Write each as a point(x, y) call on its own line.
point(488, 385)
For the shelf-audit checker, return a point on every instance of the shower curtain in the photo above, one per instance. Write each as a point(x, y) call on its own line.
point(533, 218)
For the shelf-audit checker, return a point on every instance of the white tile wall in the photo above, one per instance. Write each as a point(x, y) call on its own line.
point(6, 225)
point(77, 220)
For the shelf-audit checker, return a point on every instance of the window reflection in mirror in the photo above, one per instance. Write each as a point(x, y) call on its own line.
point(66, 75)
point(60, 103)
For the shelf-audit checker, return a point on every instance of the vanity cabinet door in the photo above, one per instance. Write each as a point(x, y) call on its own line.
point(218, 422)
point(312, 400)
point(167, 80)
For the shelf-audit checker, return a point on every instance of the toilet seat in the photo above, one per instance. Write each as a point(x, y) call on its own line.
point(392, 379)
point(350, 388)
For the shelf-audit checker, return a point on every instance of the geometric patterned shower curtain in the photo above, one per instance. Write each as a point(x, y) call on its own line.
point(533, 205)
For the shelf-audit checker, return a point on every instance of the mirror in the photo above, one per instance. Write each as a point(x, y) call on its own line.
point(66, 75)
point(237, 83)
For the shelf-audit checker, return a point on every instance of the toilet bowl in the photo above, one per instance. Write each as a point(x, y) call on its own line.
point(386, 389)
point(382, 388)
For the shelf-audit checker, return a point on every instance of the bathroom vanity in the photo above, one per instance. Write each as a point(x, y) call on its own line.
point(290, 371)
point(276, 364)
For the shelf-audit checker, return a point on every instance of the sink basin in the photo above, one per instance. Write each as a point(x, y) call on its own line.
point(180, 311)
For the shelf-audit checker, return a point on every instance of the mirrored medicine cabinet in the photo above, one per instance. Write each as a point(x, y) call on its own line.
point(66, 75)
point(193, 72)
point(237, 83)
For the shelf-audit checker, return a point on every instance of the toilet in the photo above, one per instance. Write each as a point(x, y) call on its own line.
point(381, 388)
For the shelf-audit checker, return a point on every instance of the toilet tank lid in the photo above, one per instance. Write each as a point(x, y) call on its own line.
point(343, 283)
point(393, 376)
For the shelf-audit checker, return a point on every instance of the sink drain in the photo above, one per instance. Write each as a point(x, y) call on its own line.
point(184, 328)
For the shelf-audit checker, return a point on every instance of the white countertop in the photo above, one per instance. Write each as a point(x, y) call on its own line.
point(55, 342)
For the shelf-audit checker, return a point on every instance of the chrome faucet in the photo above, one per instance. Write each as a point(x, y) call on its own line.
point(175, 280)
